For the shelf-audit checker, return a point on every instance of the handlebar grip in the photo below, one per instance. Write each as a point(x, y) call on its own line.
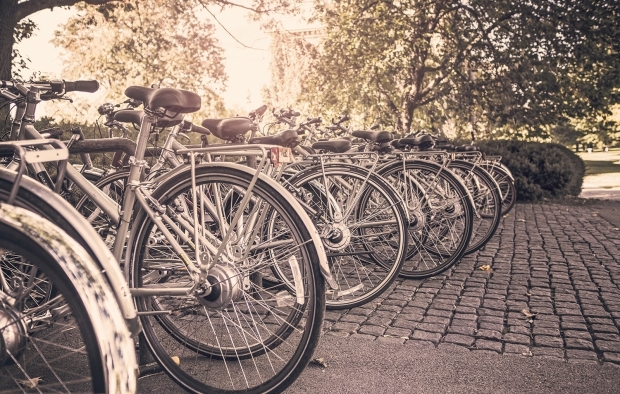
point(343, 118)
point(199, 129)
point(294, 113)
point(82, 86)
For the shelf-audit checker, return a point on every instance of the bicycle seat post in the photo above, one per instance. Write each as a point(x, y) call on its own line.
point(136, 165)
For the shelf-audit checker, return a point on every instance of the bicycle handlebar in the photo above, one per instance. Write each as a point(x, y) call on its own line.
point(54, 86)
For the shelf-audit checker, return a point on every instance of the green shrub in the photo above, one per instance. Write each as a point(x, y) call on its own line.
point(541, 170)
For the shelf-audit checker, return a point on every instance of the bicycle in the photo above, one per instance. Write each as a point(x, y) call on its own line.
point(198, 284)
point(56, 306)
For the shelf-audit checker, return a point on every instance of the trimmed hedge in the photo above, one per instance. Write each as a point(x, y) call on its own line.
point(541, 170)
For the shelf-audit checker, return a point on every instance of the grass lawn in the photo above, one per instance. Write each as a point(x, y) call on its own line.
point(602, 174)
point(601, 162)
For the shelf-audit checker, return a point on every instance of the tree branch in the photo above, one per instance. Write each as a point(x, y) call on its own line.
point(31, 6)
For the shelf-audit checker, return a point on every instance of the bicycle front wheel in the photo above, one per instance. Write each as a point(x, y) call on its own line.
point(250, 333)
point(60, 326)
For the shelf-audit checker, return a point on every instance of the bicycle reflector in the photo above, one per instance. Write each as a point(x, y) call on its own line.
point(281, 155)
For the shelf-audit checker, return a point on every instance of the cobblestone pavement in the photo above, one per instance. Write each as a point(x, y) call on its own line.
point(559, 263)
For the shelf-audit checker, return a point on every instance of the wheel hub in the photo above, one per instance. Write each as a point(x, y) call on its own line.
point(226, 287)
point(13, 334)
point(336, 236)
point(452, 211)
point(417, 220)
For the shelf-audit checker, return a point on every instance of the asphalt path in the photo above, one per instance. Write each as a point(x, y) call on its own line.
point(354, 365)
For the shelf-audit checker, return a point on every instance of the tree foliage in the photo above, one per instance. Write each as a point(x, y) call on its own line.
point(144, 42)
point(497, 66)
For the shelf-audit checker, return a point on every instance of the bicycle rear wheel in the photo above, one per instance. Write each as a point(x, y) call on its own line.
point(60, 326)
point(440, 214)
point(251, 333)
point(487, 202)
point(363, 226)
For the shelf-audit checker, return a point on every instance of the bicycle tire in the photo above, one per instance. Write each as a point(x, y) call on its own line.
point(214, 363)
point(506, 184)
point(368, 262)
point(85, 329)
point(441, 214)
point(487, 199)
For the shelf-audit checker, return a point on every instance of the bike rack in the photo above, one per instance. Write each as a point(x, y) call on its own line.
point(26, 156)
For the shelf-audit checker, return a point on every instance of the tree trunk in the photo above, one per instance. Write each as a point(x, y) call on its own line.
point(8, 20)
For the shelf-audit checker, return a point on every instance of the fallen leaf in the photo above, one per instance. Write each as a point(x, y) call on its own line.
point(320, 362)
point(528, 294)
point(485, 267)
point(529, 314)
point(30, 383)
point(528, 353)
point(520, 220)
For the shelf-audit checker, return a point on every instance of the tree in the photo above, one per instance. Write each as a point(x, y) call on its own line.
point(139, 43)
point(14, 11)
point(484, 65)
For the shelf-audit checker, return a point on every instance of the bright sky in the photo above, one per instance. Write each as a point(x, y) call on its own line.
point(247, 68)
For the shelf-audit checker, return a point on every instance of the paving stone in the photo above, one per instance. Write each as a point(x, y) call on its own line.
point(342, 334)
point(397, 332)
point(613, 357)
point(426, 336)
point(548, 341)
point(394, 308)
point(607, 336)
point(517, 338)
point(436, 320)
point(412, 310)
point(438, 312)
point(363, 336)
point(398, 303)
point(372, 330)
point(391, 339)
point(483, 344)
point(361, 311)
point(607, 346)
point(574, 326)
point(431, 327)
point(353, 318)
point(378, 321)
point(552, 331)
point(578, 343)
point(410, 317)
point(464, 330)
point(332, 316)
point(489, 334)
point(548, 352)
point(578, 334)
point(465, 316)
point(403, 323)
point(518, 330)
point(348, 327)
point(517, 349)
point(463, 340)
point(384, 314)
point(604, 328)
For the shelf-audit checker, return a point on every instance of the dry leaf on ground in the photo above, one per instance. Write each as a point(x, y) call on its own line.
point(320, 362)
point(485, 267)
point(30, 383)
point(529, 314)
